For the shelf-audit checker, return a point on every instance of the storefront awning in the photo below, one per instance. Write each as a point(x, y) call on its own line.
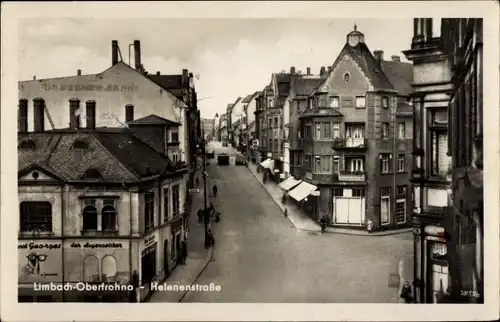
point(289, 183)
point(268, 163)
point(303, 190)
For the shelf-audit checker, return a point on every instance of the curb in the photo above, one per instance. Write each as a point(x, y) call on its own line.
point(332, 230)
point(199, 274)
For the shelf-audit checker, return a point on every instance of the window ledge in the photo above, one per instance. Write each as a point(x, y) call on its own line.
point(35, 233)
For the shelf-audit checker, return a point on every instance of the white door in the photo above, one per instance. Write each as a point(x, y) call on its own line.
point(384, 210)
point(355, 211)
point(341, 210)
point(349, 210)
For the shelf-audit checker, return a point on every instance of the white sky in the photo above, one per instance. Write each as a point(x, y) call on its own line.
point(233, 57)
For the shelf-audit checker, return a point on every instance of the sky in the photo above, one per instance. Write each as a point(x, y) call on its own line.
point(229, 57)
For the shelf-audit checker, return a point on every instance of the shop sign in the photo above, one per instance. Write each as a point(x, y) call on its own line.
point(149, 240)
point(89, 88)
point(309, 175)
point(416, 221)
point(96, 245)
point(39, 262)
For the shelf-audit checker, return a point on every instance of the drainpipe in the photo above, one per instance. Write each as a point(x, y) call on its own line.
point(63, 208)
point(394, 163)
point(129, 232)
point(422, 237)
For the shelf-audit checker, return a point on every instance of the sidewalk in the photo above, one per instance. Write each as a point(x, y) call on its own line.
point(198, 257)
point(301, 221)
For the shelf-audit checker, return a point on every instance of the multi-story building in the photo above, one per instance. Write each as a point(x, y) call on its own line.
point(208, 127)
point(357, 140)
point(447, 176)
point(229, 119)
point(260, 117)
point(99, 205)
point(236, 117)
point(223, 128)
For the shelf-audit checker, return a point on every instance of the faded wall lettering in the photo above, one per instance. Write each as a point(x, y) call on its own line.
point(89, 88)
point(96, 245)
point(38, 246)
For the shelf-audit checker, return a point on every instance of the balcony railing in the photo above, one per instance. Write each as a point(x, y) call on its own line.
point(350, 143)
point(352, 176)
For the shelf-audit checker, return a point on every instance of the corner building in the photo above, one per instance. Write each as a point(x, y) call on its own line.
point(355, 139)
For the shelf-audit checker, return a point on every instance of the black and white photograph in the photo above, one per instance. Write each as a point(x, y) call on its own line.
point(258, 153)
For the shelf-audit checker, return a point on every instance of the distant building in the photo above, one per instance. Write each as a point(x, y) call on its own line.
point(208, 126)
point(99, 206)
point(356, 137)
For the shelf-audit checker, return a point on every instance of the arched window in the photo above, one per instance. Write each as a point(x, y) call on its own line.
point(92, 174)
point(90, 269)
point(35, 216)
point(79, 144)
point(27, 145)
point(108, 267)
point(108, 218)
point(89, 218)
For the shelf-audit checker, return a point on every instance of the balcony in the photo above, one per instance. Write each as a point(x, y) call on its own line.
point(349, 176)
point(350, 143)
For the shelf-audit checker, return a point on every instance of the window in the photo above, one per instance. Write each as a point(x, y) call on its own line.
point(358, 192)
point(270, 143)
point(174, 136)
point(360, 101)
point(334, 102)
point(385, 130)
point(129, 113)
point(401, 130)
point(92, 174)
point(400, 210)
point(347, 77)
point(308, 161)
point(310, 103)
point(384, 163)
point(38, 115)
point(336, 164)
point(327, 130)
point(90, 217)
point(385, 102)
point(441, 162)
point(175, 200)
point(166, 205)
point(337, 192)
point(276, 122)
point(354, 165)
point(318, 131)
point(27, 145)
point(385, 198)
point(78, 144)
point(401, 162)
point(109, 215)
point(35, 216)
point(317, 164)
point(149, 207)
point(336, 130)
point(354, 132)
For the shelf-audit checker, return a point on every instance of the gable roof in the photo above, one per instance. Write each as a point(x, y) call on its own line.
point(248, 98)
point(321, 112)
point(283, 83)
point(400, 75)
point(305, 86)
point(167, 81)
point(117, 155)
point(369, 65)
point(153, 120)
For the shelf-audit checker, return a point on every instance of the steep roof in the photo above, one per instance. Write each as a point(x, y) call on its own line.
point(167, 81)
point(248, 98)
point(400, 75)
point(320, 112)
point(115, 153)
point(283, 82)
point(153, 120)
point(304, 86)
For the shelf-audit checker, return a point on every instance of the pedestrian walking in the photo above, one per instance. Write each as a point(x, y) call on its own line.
point(214, 190)
point(406, 292)
point(197, 181)
point(200, 215)
point(211, 237)
point(322, 223)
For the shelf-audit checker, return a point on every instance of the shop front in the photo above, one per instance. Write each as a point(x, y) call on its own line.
point(99, 269)
point(39, 262)
point(149, 263)
point(176, 239)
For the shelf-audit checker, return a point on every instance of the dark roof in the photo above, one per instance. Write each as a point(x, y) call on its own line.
point(153, 120)
point(304, 86)
point(400, 74)
point(283, 82)
point(322, 111)
point(363, 57)
point(248, 98)
point(115, 153)
point(167, 81)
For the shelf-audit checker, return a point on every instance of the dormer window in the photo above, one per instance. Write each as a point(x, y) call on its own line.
point(385, 102)
point(79, 144)
point(92, 174)
point(27, 145)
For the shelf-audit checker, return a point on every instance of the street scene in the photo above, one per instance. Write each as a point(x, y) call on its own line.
point(200, 172)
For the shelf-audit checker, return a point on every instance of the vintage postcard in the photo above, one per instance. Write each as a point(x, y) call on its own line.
point(269, 160)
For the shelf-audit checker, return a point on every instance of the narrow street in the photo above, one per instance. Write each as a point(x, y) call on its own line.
point(260, 257)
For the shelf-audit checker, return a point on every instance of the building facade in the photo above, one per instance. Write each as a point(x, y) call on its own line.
point(447, 176)
point(113, 218)
point(208, 126)
point(356, 136)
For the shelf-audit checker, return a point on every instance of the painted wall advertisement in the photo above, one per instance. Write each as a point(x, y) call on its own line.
point(39, 261)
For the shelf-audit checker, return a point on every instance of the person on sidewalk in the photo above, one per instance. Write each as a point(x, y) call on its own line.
point(406, 292)
point(322, 223)
point(200, 215)
point(214, 189)
point(197, 181)
point(211, 237)
point(183, 252)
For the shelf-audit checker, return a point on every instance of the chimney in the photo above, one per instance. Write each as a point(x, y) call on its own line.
point(395, 58)
point(185, 76)
point(322, 71)
point(329, 68)
point(379, 56)
point(34, 77)
point(137, 57)
point(114, 52)
point(90, 114)
point(158, 73)
point(38, 114)
point(308, 70)
point(292, 70)
point(79, 72)
point(74, 116)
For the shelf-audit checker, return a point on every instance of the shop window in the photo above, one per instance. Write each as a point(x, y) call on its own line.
point(400, 211)
point(385, 205)
point(35, 216)
point(108, 269)
point(175, 200)
point(149, 209)
point(358, 192)
point(91, 269)
point(337, 192)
